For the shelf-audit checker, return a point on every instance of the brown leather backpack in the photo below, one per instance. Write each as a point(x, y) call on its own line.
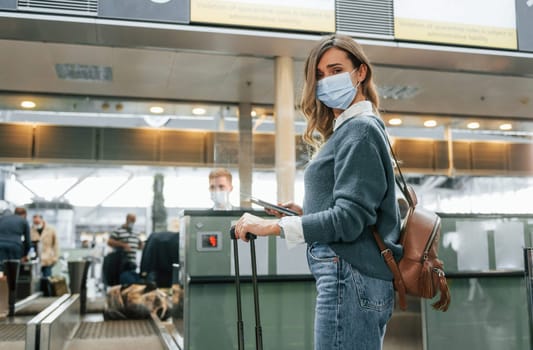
point(419, 272)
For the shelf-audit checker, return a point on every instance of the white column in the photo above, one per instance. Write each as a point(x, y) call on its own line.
point(246, 153)
point(285, 137)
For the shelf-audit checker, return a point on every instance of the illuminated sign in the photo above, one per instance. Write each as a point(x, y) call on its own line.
point(209, 241)
point(303, 15)
point(483, 23)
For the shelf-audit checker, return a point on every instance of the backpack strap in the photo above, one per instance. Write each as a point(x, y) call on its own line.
point(402, 184)
point(393, 266)
point(386, 253)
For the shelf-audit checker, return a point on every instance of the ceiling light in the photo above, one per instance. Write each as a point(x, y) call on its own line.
point(156, 121)
point(157, 109)
point(27, 104)
point(198, 111)
point(395, 121)
point(473, 125)
point(254, 113)
point(506, 126)
point(430, 123)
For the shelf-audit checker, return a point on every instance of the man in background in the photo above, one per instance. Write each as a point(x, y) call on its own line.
point(14, 236)
point(45, 239)
point(220, 187)
point(124, 238)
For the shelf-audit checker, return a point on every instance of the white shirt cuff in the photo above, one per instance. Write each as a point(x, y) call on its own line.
point(292, 230)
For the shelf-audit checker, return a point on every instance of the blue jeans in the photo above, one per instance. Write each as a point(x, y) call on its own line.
point(129, 277)
point(352, 309)
point(9, 251)
point(46, 271)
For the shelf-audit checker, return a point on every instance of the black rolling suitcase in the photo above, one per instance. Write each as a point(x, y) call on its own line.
point(240, 325)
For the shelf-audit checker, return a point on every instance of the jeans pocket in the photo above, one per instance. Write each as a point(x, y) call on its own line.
point(373, 293)
point(321, 253)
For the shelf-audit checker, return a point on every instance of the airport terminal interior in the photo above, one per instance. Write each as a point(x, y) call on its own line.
point(118, 108)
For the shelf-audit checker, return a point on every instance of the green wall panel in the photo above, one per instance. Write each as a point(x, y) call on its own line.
point(287, 311)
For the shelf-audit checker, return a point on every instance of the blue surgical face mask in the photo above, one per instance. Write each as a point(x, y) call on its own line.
point(336, 91)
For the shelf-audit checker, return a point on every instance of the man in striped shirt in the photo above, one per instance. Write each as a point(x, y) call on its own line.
point(125, 238)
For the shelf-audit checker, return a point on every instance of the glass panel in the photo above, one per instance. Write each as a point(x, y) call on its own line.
point(472, 247)
point(486, 313)
point(508, 242)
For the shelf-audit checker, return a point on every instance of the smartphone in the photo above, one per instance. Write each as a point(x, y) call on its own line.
point(275, 207)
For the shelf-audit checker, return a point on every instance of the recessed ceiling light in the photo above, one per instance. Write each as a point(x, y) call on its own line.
point(506, 126)
point(27, 104)
point(198, 111)
point(473, 125)
point(395, 121)
point(156, 121)
point(157, 109)
point(430, 123)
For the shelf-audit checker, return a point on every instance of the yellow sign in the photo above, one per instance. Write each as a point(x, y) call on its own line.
point(310, 15)
point(455, 33)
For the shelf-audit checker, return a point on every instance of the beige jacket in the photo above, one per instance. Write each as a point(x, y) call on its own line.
point(48, 244)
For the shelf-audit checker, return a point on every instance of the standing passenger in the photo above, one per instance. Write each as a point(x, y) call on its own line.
point(14, 237)
point(44, 235)
point(126, 239)
point(349, 186)
point(220, 187)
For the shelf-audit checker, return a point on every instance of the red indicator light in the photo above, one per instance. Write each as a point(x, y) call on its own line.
point(213, 241)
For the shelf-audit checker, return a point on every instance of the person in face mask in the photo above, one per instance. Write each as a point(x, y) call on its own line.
point(349, 186)
point(44, 237)
point(220, 187)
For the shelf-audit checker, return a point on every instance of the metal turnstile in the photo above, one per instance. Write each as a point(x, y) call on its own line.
point(207, 261)
point(22, 331)
point(66, 328)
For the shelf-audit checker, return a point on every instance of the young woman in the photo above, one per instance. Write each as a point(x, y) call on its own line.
point(349, 186)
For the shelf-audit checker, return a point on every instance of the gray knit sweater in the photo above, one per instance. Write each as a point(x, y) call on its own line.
point(349, 185)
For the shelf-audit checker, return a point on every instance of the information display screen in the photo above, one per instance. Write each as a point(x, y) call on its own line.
point(524, 23)
point(304, 15)
point(482, 23)
point(8, 4)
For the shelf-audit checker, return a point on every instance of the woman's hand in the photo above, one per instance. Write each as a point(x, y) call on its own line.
point(288, 205)
point(256, 225)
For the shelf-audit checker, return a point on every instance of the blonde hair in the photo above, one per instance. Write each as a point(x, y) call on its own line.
point(220, 172)
point(319, 116)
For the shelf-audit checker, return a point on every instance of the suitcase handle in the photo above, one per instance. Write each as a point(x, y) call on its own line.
point(249, 235)
point(240, 325)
